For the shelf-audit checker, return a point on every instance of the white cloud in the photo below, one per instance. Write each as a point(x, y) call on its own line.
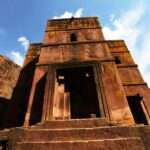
point(144, 56)
point(24, 42)
point(129, 28)
point(17, 57)
point(78, 13)
point(67, 14)
point(126, 26)
point(112, 17)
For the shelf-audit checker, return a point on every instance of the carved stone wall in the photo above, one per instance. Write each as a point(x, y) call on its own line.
point(9, 73)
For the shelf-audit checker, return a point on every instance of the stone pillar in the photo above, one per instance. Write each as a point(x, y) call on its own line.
point(114, 94)
point(39, 73)
point(48, 95)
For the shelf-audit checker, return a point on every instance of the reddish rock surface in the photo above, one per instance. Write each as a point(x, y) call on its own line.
point(9, 72)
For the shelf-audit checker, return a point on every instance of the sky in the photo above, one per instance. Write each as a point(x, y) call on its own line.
point(23, 22)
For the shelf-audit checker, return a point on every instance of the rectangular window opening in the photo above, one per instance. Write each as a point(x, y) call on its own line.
point(136, 109)
point(73, 37)
point(117, 60)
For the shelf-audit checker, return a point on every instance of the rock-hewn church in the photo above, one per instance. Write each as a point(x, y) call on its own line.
point(77, 90)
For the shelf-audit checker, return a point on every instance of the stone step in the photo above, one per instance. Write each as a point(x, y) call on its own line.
point(133, 143)
point(4, 134)
point(73, 123)
point(76, 133)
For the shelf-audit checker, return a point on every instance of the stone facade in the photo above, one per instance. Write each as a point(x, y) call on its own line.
point(78, 91)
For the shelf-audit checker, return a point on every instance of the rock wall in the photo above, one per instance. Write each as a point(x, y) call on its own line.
point(9, 73)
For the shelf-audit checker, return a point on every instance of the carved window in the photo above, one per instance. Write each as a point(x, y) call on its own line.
point(73, 37)
point(117, 60)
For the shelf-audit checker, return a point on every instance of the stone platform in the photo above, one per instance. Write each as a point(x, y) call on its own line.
point(85, 134)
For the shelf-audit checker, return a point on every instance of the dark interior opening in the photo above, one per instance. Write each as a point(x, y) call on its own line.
point(3, 145)
point(136, 109)
point(80, 83)
point(117, 60)
point(73, 37)
point(37, 107)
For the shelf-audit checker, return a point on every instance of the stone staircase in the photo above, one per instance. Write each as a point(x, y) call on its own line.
point(85, 134)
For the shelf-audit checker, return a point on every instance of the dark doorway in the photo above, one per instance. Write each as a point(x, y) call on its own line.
point(136, 109)
point(80, 83)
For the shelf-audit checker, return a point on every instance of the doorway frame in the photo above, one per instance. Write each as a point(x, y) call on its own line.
point(97, 79)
